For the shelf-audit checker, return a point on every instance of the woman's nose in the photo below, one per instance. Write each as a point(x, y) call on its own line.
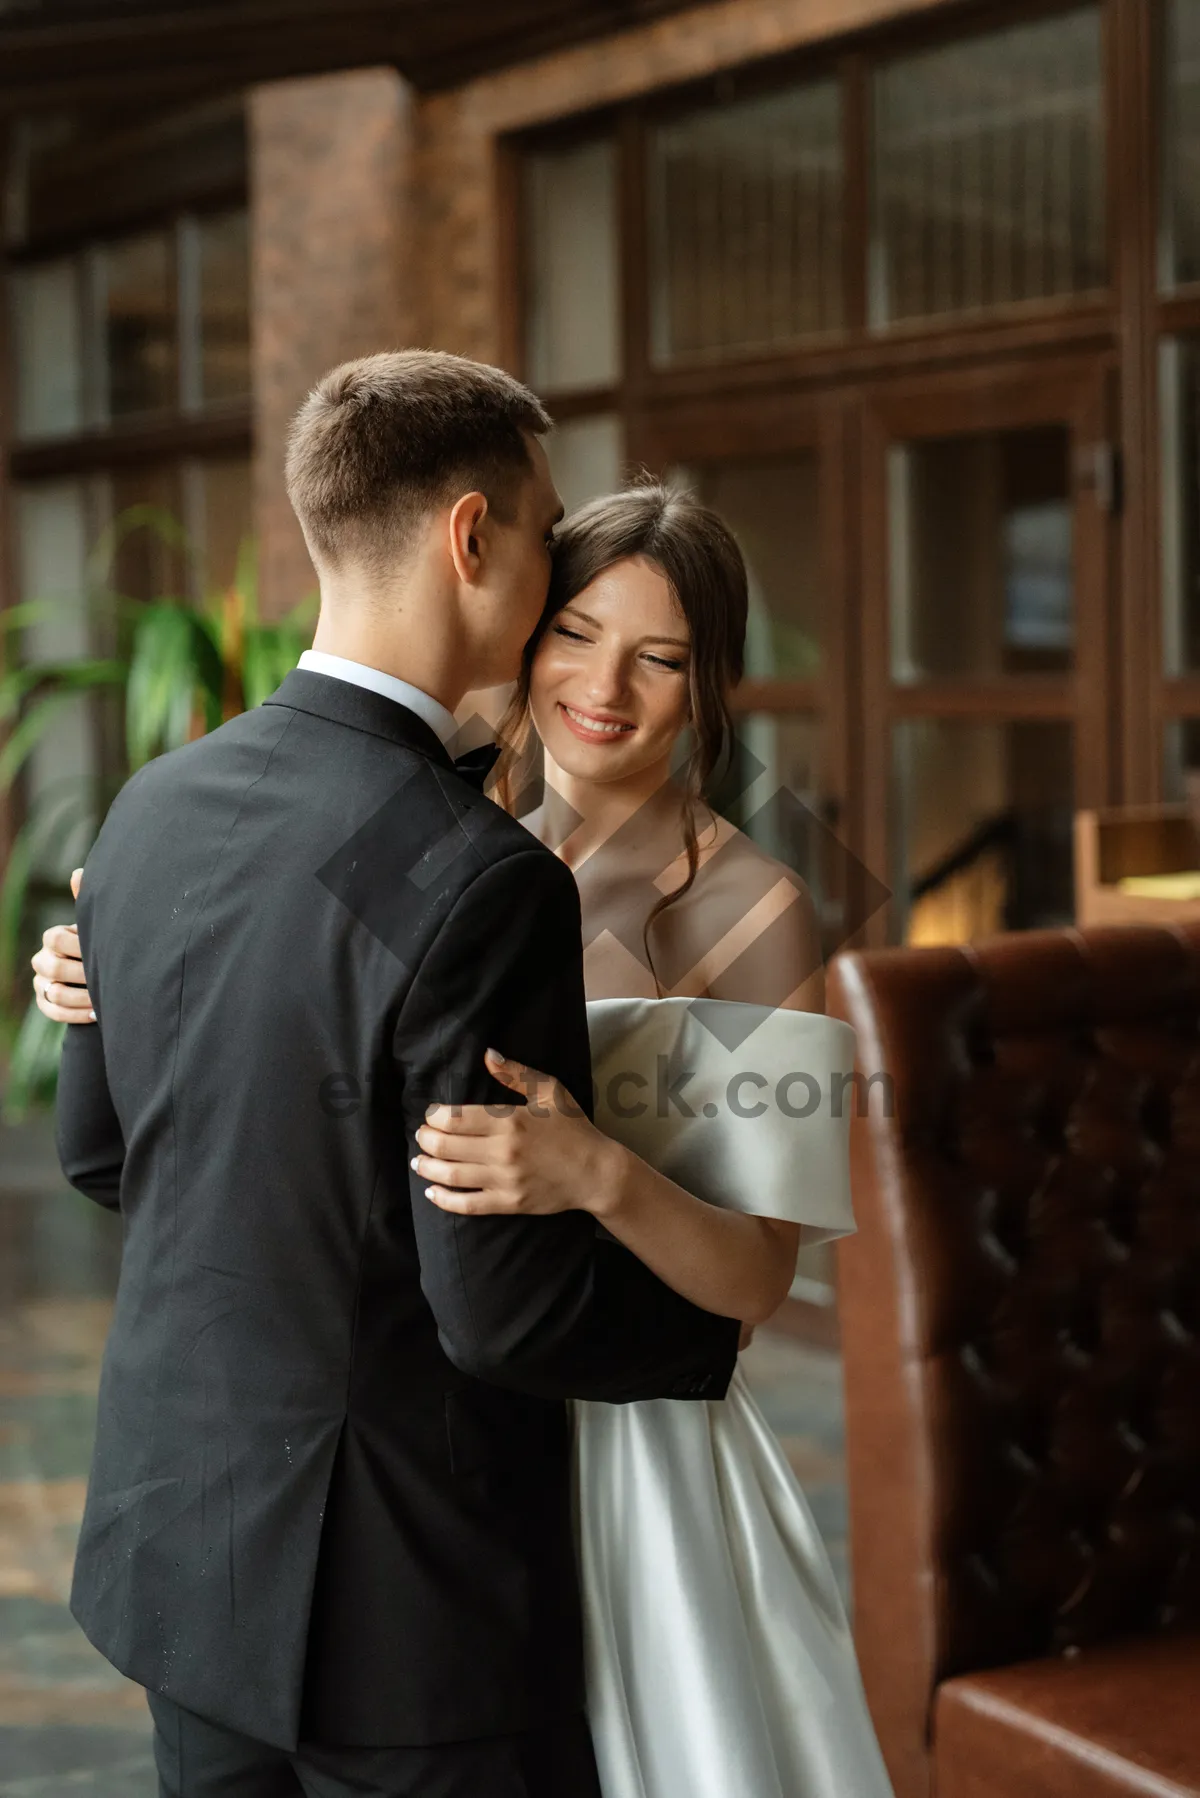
point(608, 680)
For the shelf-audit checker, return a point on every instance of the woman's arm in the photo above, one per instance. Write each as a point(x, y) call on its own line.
point(724, 1261)
point(545, 1156)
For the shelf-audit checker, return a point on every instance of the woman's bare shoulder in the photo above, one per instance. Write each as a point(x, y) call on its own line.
point(747, 928)
point(729, 859)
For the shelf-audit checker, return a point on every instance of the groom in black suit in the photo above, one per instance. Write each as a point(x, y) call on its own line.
point(329, 1518)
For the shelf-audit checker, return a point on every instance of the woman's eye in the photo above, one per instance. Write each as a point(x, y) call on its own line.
point(575, 636)
point(663, 662)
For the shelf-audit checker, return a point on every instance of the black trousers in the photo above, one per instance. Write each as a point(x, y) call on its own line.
point(198, 1759)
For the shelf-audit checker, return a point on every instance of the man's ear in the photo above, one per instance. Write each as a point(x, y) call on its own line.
point(466, 524)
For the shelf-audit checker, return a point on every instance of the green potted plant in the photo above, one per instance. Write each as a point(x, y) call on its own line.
point(179, 669)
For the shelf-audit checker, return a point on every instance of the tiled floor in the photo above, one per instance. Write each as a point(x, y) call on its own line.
point(69, 1724)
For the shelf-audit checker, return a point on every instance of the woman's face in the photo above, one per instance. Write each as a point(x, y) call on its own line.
point(609, 684)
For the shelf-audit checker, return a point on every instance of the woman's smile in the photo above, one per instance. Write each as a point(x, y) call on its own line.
point(592, 727)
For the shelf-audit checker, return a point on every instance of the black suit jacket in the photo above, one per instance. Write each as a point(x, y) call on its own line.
point(330, 1494)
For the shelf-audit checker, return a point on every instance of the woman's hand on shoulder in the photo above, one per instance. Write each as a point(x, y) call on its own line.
point(529, 1160)
point(59, 982)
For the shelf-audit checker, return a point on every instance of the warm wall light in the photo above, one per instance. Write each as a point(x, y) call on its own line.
point(970, 904)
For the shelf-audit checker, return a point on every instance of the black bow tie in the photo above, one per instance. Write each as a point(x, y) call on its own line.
point(477, 764)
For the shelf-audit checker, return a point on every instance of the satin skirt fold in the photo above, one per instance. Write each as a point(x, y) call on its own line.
point(719, 1659)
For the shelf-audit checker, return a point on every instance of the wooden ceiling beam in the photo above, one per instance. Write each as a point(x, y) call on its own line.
point(191, 48)
point(183, 78)
point(210, 45)
point(548, 27)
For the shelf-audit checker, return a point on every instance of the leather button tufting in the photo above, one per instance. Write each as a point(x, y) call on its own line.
point(1020, 1320)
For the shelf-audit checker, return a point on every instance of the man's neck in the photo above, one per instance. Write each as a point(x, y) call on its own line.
point(358, 640)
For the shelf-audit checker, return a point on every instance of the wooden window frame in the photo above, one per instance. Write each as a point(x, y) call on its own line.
point(178, 432)
point(1163, 313)
point(859, 349)
point(1078, 396)
point(1116, 333)
point(174, 437)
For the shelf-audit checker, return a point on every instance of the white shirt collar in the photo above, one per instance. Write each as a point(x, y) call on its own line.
point(434, 713)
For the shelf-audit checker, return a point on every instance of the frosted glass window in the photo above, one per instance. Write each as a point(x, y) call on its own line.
point(224, 258)
point(746, 209)
point(586, 457)
point(572, 288)
point(989, 171)
point(981, 549)
point(52, 533)
point(771, 507)
point(218, 515)
point(136, 280)
point(776, 753)
point(1179, 411)
point(47, 349)
point(1180, 243)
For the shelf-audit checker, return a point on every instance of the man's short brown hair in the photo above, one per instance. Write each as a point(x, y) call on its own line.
point(381, 442)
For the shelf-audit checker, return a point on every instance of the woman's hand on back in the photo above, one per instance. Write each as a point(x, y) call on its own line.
point(59, 982)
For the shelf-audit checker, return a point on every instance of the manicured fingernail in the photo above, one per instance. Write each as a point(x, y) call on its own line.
point(496, 1055)
point(414, 1161)
point(92, 1015)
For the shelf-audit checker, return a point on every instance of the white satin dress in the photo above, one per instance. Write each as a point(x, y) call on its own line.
point(719, 1660)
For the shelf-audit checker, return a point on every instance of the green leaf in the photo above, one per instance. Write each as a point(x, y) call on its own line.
point(13, 688)
point(157, 520)
point(78, 675)
point(176, 661)
point(60, 811)
point(13, 890)
point(210, 666)
point(26, 736)
point(271, 652)
point(30, 611)
point(33, 1065)
point(175, 665)
point(245, 577)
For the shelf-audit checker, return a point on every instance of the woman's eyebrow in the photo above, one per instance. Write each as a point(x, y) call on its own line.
point(585, 618)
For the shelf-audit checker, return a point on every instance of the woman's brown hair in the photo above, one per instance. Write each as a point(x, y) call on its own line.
point(702, 564)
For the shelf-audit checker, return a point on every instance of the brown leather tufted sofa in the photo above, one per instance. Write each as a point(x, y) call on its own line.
point(1020, 1317)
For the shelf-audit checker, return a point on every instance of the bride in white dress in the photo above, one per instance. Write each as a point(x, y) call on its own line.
point(719, 1659)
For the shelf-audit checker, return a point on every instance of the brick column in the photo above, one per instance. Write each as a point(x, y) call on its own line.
point(329, 204)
